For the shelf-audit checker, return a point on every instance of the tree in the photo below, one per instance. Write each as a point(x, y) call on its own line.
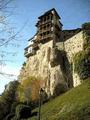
point(7, 98)
point(29, 89)
point(9, 36)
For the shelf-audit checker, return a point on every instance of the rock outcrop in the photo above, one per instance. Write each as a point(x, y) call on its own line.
point(53, 63)
point(47, 64)
point(50, 54)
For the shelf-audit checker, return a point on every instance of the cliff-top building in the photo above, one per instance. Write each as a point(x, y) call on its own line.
point(49, 28)
point(50, 53)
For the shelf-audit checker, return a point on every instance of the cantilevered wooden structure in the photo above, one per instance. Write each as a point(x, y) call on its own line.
point(49, 28)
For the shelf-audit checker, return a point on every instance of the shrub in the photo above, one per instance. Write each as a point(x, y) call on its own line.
point(86, 42)
point(7, 98)
point(24, 64)
point(13, 107)
point(82, 64)
point(23, 111)
point(86, 25)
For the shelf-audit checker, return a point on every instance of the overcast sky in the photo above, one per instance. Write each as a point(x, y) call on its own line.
point(73, 14)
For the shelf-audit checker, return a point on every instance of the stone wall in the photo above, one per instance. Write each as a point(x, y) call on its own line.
point(73, 46)
point(70, 33)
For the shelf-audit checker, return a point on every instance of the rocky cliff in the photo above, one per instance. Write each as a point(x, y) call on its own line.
point(48, 64)
point(54, 64)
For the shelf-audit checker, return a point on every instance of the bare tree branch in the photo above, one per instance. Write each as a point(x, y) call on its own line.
point(12, 37)
point(4, 3)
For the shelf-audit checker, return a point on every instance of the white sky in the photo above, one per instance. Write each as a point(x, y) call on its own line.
point(4, 79)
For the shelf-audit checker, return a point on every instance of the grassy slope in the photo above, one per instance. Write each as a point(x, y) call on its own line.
point(73, 105)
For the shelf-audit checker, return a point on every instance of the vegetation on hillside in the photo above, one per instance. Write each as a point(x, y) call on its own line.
point(73, 105)
point(7, 99)
point(82, 64)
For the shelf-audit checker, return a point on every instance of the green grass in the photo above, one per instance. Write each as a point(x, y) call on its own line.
point(73, 105)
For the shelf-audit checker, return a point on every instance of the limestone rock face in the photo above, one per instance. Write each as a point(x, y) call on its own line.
point(47, 64)
point(73, 46)
point(53, 63)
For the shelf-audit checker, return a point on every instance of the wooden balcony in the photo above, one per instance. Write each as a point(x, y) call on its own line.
point(44, 30)
point(45, 38)
point(35, 46)
point(41, 23)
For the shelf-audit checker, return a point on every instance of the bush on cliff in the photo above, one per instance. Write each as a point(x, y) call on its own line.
point(86, 26)
point(86, 35)
point(82, 63)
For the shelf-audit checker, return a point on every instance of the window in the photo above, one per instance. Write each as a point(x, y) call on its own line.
point(51, 17)
point(41, 35)
point(44, 27)
point(44, 33)
point(48, 32)
point(44, 19)
point(48, 17)
point(48, 25)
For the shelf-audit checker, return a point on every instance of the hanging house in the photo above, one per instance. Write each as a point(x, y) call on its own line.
point(48, 28)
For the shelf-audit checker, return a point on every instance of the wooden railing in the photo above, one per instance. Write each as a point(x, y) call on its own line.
point(44, 30)
point(46, 37)
point(44, 22)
